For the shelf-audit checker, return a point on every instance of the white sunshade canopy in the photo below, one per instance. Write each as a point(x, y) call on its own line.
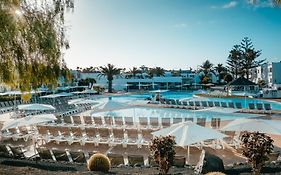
point(36, 107)
point(254, 125)
point(82, 101)
point(63, 94)
point(189, 133)
point(110, 105)
point(29, 120)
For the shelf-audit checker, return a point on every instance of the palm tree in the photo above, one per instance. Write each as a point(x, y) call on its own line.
point(157, 71)
point(134, 71)
point(109, 71)
point(221, 70)
point(206, 67)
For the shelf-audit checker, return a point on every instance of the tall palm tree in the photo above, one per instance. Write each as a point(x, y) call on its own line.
point(221, 70)
point(157, 71)
point(206, 67)
point(134, 71)
point(109, 72)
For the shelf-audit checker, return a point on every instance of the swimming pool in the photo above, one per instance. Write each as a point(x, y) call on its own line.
point(189, 96)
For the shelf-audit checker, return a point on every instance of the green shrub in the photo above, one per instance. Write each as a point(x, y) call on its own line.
point(163, 152)
point(256, 147)
point(99, 162)
point(215, 173)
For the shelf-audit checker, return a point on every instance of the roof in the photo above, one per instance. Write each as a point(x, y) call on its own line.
point(241, 81)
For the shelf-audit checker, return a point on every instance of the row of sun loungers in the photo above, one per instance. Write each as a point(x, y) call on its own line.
point(260, 107)
point(123, 122)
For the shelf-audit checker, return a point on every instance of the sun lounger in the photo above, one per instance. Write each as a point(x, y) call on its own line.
point(45, 154)
point(210, 103)
point(76, 132)
point(76, 120)
point(154, 122)
point(191, 103)
point(132, 135)
point(108, 121)
point(238, 105)
point(104, 135)
point(78, 156)
point(67, 120)
point(88, 120)
point(197, 103)
point(177, 120)
point(224, 104)
point(60, 155)
point(201, 122)
point(136, 160)
point(188, 119)
point(166, 122)
point(91, 133)
point(231, 104)
point(204, 103)
point(215, 123)
point(184, 103)
point(118, 135)
point(143, 121)
point(260, 106)
point(129, 121)
point(17, 151)
point(146, 135)
point(4, 152)
point(179, 161)
point(251, 106)
point(98, 121)
point(217, 104)
point(267, 107)
point(116, 159)
point(118, 121)
point(273, 156)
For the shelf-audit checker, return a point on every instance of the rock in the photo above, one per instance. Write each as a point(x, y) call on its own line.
point(212, 163)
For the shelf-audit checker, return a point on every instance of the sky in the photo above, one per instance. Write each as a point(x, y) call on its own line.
point(173, 34)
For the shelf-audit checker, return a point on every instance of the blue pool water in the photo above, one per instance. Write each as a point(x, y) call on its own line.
point(172, 113)
point(189, 96)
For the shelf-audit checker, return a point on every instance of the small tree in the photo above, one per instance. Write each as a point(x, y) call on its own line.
point(163, 152)
point(256, 147)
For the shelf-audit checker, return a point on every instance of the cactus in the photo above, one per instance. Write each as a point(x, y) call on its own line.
point(99, 162)
point(215, 173)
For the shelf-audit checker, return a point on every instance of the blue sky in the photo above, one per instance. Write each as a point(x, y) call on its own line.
point(171, 34)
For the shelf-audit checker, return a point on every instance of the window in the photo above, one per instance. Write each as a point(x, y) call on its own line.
point(270, 69)
point(270, 80)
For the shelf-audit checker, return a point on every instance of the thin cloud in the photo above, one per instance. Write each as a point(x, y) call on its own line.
point(261, 4)
point(231, 4)
point(181, 25)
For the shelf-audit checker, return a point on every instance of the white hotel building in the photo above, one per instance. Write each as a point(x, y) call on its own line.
point(168, 81)
point(269, 72)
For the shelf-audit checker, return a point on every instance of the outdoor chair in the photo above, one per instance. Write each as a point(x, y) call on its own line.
point(204, 103)
point(108, 121)
point(224, 104)
point(191, 103)
point(118, 121)
point(76, 120)
point(166, 122)
point(267, 107)
point(116, 159)
point(251, 106)
point(154, 122)
point(143, 122)
point(78, 156)
point(210, 103)
point(118, 135)
point(201, 122)
point(215, 123)
point(18, 152)
point(60, 155)
point(260, 106)
point(88, 120)
point(197, 103)
point(217, 104)
point(177, 120)
point(4, 152)
point(238, 105)
point(45, 154)
point(98, 121)
point(129, 121)
point(231, 104)
point(67, 120)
